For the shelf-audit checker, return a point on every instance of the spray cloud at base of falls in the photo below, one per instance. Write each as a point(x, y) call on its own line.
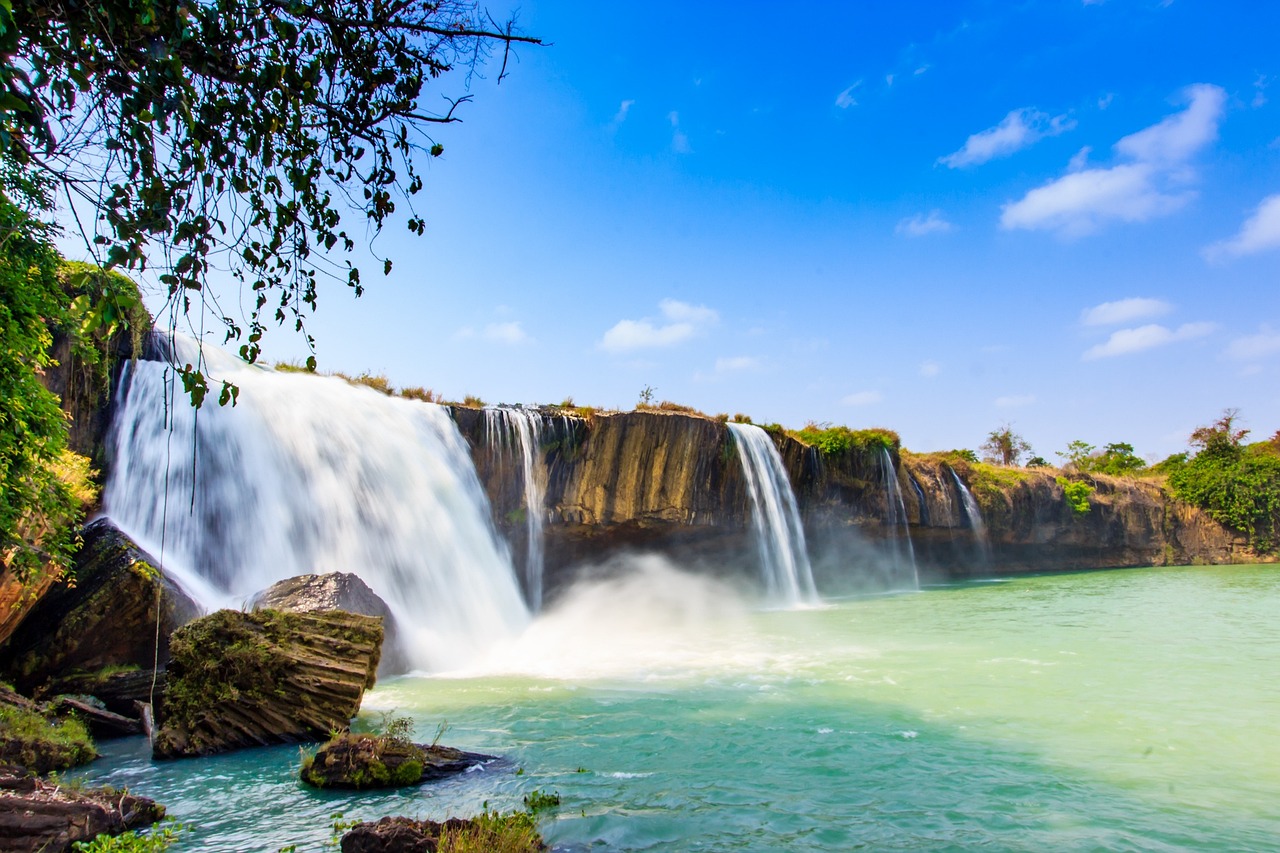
point(779, 535)
point(311, 474)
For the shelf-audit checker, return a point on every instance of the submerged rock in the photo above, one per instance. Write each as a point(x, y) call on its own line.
point(266, 677)
point(108, 617)
point(43, 816)
point(336, 591)
point(513, 832)
point(378, 761)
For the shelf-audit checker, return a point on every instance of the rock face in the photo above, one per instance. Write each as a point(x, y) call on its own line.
point(336, 591)
point(107, 618)
point(43, 816)
point(359, 761)
point(404, 835)
point(249, 679)
point(672, 483)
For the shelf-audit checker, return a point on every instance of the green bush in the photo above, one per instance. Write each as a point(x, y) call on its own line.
point(1077, 494)
point(838, 440)
point(1239, 487)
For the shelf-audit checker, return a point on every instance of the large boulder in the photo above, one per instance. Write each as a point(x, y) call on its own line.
point(359, 761)
point(336, 591)
point(32, 736)
point(106, 616)
point(248, 679)
point(50, 817)
point(514, 832)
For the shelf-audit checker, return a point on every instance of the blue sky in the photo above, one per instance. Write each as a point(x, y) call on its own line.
point(934, 217)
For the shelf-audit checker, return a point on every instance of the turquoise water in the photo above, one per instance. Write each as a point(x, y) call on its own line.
point(1125, 710)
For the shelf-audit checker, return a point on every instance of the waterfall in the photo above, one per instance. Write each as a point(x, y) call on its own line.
point(974, 516)
point(788, 577)
point(896, 510)
point(510, 432)
point(312, 474)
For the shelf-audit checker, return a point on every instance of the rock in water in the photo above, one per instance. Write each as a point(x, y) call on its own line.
point(515, 833)
point(43, 816)
point(107, 618)
point(252, 679)
point(377, 761)
point(336, 591)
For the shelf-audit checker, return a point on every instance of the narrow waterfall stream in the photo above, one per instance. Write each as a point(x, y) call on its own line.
point(896, 517)
point(512, 432)
point(788, 577)
point(312, 474)
point(973, 514)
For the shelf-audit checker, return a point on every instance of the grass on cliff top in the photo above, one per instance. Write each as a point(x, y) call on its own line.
point(836, 440)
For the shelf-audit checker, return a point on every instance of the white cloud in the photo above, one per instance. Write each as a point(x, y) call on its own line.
point(1124, 311)
point(684, 321)
point(930, 369)
point(1125, 341)
point(1260, 94)
point(1019, 129)
point(845, 99)
point(1105, 100)
point(1259, 233)
point(1180, 135)
point(1255, 347)
point(920, 225)
point(510, 333)
point(1080, 159)
point(621, 115)
point(1014, 401)
point(736, 363)
point(863, 398)
point(679, 139)
point(1081, 201)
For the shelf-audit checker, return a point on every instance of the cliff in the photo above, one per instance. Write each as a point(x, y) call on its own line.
point(672, 483)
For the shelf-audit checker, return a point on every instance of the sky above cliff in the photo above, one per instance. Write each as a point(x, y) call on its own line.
point(934, 217)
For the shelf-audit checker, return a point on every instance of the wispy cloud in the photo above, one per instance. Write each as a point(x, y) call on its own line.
point(1124, 311)
point(1082, 201)
point(930, 369)
point(920, 225)
point(621, 115)
point(736, 364)
point(863, 398)
point(1015, 401)
point(679, 139)
point(1126, 341)
point(1259, 233)
point(1019, 129)
point(1260, 91)
point(510, 333)
point(682, 322)
point(845, 99)
point(1264, 344)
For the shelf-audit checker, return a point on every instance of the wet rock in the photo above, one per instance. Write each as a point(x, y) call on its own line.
point(336, 591)
point(42, 816)
point(251, 679)
point(514, 833)
point(107, 618)
point(102, 723)
point(119, 690)
point(377, 761)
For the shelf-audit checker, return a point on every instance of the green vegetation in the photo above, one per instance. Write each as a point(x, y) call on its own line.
point(1236, 484)
point(1116, 459)
point(42, 744)
point(472, 401)
point(740, 418)
point(539, 801)
point(423, 395)
point(492, 832)
point(153, 840)
point(1077, 494)
point(838, 440)
point(646, 397)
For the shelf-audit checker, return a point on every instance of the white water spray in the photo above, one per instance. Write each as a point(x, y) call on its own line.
point(511, 432)
point(788, 577)
point(896, 509)
point(974, 516)
point(311, 474)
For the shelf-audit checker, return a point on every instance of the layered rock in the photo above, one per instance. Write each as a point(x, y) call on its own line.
point(43, 816)
point(107, 617)
point(358, 761)
point(336, 591)
point(513, 833)
point(249, 679)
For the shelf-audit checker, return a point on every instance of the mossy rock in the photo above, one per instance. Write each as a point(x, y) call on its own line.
point(251, 679)
point(514, 832)
point(32, 737)
point(357, 761)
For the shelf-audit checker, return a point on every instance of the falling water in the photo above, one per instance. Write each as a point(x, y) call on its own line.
point(974, 516)
point(311, 474)
point(508, 432)
point(897, 516)
point(779, 535)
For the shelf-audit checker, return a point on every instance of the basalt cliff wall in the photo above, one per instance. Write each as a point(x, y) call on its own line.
point(672, 483)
